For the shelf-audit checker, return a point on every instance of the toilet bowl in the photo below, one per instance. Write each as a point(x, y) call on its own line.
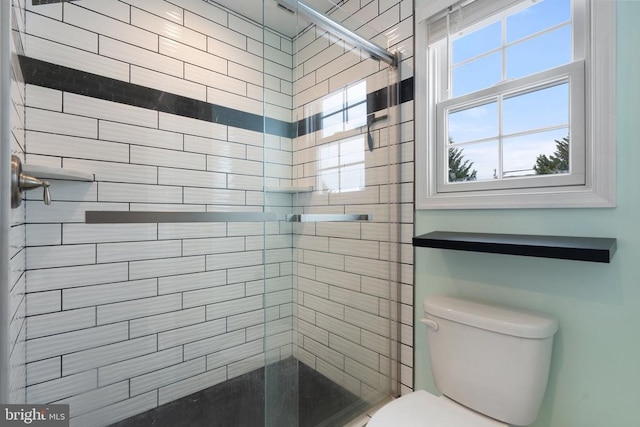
point(490, 362)
point(422, 409)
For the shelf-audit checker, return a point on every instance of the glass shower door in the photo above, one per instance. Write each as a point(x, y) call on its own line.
point(145, 280)
point(340, 230)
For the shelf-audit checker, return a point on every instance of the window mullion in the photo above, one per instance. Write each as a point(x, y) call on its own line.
point(500, 139)
point(503, 44)
point(579, 13)
point(449, 53)
point(503, 27)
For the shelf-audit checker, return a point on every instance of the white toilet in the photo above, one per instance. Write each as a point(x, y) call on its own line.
point(491, 364)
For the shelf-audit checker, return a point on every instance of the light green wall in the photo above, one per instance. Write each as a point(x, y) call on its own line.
point(595, 373)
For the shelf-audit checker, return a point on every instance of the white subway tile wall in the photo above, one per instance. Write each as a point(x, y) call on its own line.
point(123, 318)
point(17, 377)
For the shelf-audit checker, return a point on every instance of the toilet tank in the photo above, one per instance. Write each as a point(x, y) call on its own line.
point(492, 359)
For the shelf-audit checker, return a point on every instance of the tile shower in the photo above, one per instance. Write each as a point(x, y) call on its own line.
point(186, 106)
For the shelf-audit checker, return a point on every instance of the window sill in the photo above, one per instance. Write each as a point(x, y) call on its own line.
point(593, 249)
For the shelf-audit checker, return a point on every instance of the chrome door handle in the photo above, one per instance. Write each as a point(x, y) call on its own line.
point(328, 217)
point(150, 217)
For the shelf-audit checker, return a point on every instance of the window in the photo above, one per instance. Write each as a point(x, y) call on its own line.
point(345, 109)
point(513, 105)
point(341, 163)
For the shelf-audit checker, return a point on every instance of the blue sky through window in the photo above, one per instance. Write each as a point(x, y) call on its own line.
point(477, 63)
point(480, 41)
point(540, 53)
point(540, 109)
point(538, 17)
point(474, 123)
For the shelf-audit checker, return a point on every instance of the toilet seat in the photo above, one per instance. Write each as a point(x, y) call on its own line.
point(421, 409)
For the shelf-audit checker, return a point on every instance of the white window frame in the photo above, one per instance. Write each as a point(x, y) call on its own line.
point(595, 189)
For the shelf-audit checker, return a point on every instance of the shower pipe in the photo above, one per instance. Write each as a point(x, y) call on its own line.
point(328, 23)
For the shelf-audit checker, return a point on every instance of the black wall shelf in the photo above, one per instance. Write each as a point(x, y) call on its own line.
point(594, 249)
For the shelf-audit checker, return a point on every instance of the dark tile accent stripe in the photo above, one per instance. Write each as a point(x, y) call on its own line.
point(67, 79)
point(406, 90)
point(39, 2)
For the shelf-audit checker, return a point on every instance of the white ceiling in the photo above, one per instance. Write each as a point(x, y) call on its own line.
point(275, 17)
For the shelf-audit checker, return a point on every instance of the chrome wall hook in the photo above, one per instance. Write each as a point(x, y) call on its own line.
point(21, 182)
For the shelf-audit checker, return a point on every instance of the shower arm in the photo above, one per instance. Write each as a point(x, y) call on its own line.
point(21, 182)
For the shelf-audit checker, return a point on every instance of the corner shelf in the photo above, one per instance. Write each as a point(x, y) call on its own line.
point(594, 249)
point(48, 172)
point(290, 190)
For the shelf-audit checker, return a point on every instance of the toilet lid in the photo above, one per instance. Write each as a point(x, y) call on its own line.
point(421, 409)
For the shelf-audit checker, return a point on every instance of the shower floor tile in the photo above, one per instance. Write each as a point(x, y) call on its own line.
point(239, 402)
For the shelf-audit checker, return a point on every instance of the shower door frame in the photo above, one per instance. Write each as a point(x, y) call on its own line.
point(5, 193)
